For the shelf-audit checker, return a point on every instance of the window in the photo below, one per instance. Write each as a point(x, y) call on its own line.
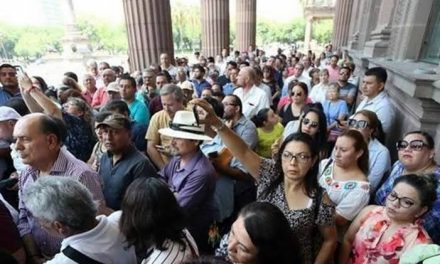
point(431, 45)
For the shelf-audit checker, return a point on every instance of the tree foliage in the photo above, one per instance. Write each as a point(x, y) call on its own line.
point(288, 32)
point(322, 31)
point(186, 23)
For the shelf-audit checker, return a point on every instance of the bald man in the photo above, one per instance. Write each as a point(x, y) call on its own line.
point(253, 98)
point(100, 97)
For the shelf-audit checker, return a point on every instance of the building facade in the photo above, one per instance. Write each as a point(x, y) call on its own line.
point(403, 36)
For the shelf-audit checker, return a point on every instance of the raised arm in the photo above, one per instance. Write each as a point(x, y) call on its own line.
point(232, 141)
point(36, 100)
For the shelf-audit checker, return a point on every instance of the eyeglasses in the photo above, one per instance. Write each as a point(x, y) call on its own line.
point(297, 94)
point(299, 157)
point(415, 145)
point(353, 123)
point(226, 104)
point(313, 124)
point(405, 202)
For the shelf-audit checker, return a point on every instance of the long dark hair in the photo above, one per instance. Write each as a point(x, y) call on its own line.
point(151, 215)
point(359, 144)
point(321, 136)
point(271, 234)
point(374, 123)
point(311, 182)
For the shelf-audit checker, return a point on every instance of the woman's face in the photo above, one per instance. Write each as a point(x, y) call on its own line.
point(366, 131)
point(272, 118)
point(323, 77)
point(403, 204)
point(345, 155)
point(332, 94)
point(310, 124)
point(298, 95)
point(414, 159)
point(296, 160)
point(240, 246)
point(73, 109)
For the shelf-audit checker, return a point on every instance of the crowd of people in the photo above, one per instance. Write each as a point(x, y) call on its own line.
point(241, 158)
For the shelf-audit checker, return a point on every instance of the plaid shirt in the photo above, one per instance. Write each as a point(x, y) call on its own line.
point(432, 218)
point(65, 165)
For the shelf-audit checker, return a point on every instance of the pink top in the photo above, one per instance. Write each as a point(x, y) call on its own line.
point(333, 73)
point(100, 97)
point(286, 100)
point(368, 248)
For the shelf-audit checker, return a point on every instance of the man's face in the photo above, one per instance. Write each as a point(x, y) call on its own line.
point(115, 140)
point(344, 74)
point(89, 81)
point(371, 86)
point(233, 74)
point(149, 79)
point(242, 78)
point(113, 95)
point(8, 77)
point(161, 81)
point(230, 107)
point(93, 69)
point(6, 130)
point(299, 70)
point(334, 61)
point(305, 61)
point(181, 75)
point(103, 67)
point(33, 146)
point(183, 147)
point(170, 104)
point(188, 94)
point(165, 59)
point(197, 74)
point(127, 90)
point(108, 76)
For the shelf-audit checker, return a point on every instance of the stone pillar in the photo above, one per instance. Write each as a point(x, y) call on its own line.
point(377, 46)
point(149, 31)
point(368, 15)
point(341, 24)
point(215, 26)
point(308, 33)
point(409, 27)
point(246, 16)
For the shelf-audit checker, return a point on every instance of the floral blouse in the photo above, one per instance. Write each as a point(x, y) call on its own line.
point(368, 247)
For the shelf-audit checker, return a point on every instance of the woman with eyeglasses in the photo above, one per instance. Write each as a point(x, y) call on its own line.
point(335, 110)
point(288, 182)
point(298, 96)
point(416, 156)
point(379, 162)
point(344, 177)
point(381, 234)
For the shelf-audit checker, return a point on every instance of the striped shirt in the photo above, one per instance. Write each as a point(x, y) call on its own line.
point(174, 253)
point(65, 165)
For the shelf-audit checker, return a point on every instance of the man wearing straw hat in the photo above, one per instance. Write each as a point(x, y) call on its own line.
point(190, 175)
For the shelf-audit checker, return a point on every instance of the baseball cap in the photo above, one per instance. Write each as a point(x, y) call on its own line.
point(8, 113)
point(187, 85)
point(116, 121)
point(113, 87)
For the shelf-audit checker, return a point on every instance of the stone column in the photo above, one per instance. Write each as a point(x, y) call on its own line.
point(215, 26)
point(369, 13)
point(308, 33)
point(377, 46)
point(341, 24)
point(246, 16)
point(149, 31)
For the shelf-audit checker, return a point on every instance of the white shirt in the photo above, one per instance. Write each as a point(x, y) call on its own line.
point(172, 70)
point(381, 105)
point(174, 253)
point(104, 243)
point(267, 90)
point(319, 93)
point(253, 101)
point(379, 162)
point(302, 78)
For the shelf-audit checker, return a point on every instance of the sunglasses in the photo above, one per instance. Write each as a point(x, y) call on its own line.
point(313, 124)
point(353, 123)
point(415, 145)
point(297, 94)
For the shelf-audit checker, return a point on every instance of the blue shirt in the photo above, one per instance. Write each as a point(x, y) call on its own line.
point(228, 88)
point(333, 110)
point(5, 96)
point(193, 186)
point(138, 132)
point(200, 86)
point(139, 112)
point(431, 218)
point(379, 162)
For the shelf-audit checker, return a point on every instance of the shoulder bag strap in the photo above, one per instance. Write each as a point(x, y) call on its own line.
point(78, 257)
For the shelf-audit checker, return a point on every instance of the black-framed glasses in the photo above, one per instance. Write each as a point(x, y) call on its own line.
point(415, 145)
point(301, 157)
point(353, 123)
point(313, 124)
point(405, 202)
point(297, 94)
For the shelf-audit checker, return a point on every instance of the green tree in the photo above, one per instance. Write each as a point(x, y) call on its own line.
point(186, 25)
point(322, 31)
